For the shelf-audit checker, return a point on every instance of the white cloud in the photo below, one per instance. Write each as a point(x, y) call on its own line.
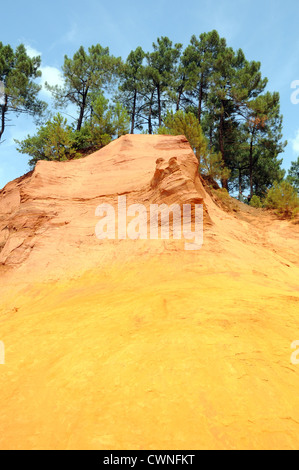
point(32, 52)
point(52, 76)
point(295, 143)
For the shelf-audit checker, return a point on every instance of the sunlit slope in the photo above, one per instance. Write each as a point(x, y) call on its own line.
point(140, 344)
point(174, 352)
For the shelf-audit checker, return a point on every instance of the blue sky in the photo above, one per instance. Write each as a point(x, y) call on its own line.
point(266, 30)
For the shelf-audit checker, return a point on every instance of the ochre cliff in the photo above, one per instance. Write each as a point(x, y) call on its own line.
point(140, 344)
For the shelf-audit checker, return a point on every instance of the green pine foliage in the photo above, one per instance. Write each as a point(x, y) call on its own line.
point(53, 142)
point(107, 122)
point(161, 71)
point(19, 93)
point(256, 202)
point(57, 141)
point(208, 91)
point(185, 124)
point(88, 72)
point(181, 123)
point(283, 199)
point(131, 89)
point(293, 175)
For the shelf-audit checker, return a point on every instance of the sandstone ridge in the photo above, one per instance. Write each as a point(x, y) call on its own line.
point(39, 206)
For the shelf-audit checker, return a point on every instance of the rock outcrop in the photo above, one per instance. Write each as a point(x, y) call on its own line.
point(43, 208)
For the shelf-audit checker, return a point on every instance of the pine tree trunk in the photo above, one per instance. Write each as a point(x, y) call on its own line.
point(150, 127)
point(159, 105)
point(3, 112)
point(224, 181)
point(80, 120)
point(211, 137)
point(200, 98)
point(178, 102)
point(82, 110)
point(240, 184)
point(133, 112)
point(180, 92)
point(251, 166)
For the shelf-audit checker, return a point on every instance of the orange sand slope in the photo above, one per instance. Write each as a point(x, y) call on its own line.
point(139, 344)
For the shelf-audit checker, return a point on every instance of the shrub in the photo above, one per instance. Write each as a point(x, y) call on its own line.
point(186, 124)
point(283, 198)
point(293, 175)
point(211, 163)
point(53, 142)
point(256, 202)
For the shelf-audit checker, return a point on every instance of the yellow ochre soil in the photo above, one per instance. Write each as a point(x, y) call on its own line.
point(140, 344)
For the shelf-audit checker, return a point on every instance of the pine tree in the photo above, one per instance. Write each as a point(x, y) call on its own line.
point(84, 74)
point(185, 124)
point(293, 174)
point(19, 92)
point(234, 84)
point(196, 69)
point(161, 71)
point(131, 86)
point(264, 127)
point(120, 120)
point(181, 123)
point(52, 142)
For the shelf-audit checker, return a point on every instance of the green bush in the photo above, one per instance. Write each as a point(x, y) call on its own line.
point(256, 202)
point(283, 198)
point(186, 124)
point(211, 163)
point(53, 141)
point(293, 175)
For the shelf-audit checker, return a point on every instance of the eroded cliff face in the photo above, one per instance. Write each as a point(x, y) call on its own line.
point(55, 204)
point(142, 344)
